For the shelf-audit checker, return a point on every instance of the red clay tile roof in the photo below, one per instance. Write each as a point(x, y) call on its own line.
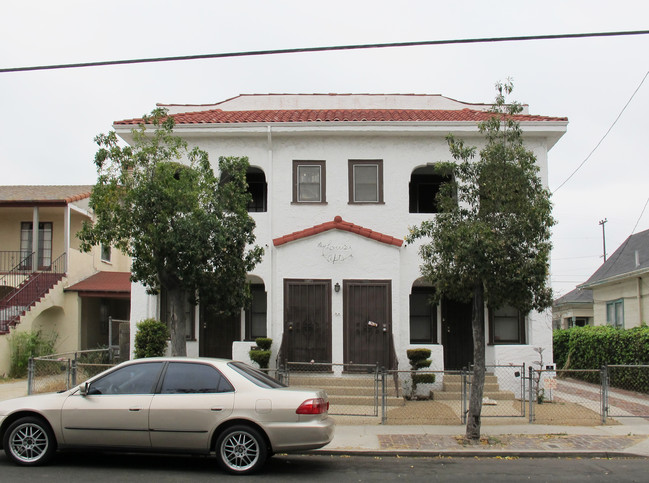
point(218, 116)
point(50, 195)
point(338, 224)
point(104, 284)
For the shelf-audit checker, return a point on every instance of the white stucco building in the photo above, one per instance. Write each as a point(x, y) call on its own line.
point(337, 180)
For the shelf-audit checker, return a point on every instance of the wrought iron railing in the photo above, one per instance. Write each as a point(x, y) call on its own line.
point(14, 260)
point(29, 288)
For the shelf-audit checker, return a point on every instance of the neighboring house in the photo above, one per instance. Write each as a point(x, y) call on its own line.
point(574, 309)
point(621, 285)
point(337, 180)
point(46, 283)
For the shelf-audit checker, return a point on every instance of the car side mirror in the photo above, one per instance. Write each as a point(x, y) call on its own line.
point(83, 389)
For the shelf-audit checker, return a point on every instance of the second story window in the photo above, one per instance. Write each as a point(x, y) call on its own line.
point(309, 182)
point(105, 253)
point(425, 183)
point(257, 188)
point(366, 181)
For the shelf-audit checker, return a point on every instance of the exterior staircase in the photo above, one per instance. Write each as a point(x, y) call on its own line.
point(452, 389)
point(32, 288)
point(348, 390)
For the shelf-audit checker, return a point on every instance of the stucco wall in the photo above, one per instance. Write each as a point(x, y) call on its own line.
point(401, 153)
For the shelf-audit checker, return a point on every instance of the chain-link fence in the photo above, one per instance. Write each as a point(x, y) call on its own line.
point(353, 389)
point(59, 372)
point(626, 391)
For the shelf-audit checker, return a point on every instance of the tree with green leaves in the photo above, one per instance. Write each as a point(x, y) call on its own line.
point(490, 242)
point(187, 231)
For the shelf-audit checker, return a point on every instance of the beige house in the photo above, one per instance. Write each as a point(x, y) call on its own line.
point(574, 309)
point(621, 285)
point(46, 282)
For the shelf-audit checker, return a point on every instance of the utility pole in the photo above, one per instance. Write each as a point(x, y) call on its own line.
point(602, 223)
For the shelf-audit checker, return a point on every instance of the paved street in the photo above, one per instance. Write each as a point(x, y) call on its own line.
point(341, 468)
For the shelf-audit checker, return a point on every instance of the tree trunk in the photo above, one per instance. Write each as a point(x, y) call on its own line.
point(477, 386)
point(176, 313)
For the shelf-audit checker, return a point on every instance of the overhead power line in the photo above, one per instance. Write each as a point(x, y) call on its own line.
point(605, 134)
point(325, 49)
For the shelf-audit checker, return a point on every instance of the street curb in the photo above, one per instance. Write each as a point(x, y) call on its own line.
point(478, 454)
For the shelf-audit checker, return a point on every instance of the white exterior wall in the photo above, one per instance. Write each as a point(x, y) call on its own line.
point(635, 293)
point(273, 149)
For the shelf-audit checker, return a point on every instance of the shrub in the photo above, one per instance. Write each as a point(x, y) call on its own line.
point(23, 345)
point(419, 359)
point(151, 338)
point(261, 353)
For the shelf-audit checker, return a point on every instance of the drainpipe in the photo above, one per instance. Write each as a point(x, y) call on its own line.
point(270, 254)
point(639, 285)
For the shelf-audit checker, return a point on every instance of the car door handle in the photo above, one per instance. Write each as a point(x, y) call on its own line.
point(216, 409)
point(134, 409)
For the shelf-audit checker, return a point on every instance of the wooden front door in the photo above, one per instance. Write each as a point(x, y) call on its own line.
point(457, 334)
point(218, 332)
point(307, 320)
point(367, 324)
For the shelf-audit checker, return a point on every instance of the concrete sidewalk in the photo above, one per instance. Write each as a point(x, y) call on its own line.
point(630, 438)
point(529, 440)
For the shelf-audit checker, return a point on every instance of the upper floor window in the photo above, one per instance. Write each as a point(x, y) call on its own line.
point(105, 253)
point(44, 244)
point(309, 182)
point(506, 326)
point(425, 184)
point(257, 188)
point(615, 313)
point(365, 181)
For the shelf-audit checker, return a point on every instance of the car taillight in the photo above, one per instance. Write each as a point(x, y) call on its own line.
point(313, 406)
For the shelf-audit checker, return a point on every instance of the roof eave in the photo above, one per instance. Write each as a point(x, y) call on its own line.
point(614, 279)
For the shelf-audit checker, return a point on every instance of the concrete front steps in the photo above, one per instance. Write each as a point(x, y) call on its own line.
point(452, 389)
point(350, 390)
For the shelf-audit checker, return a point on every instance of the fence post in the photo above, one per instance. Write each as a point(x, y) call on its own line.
point(604, 382)
point(73, 374)
point(30, 376)
point(523, 388)
point(531, 394)
point(464, 395)
point(384, 412)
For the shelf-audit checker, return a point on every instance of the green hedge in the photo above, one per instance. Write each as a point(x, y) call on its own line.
point(593, 347)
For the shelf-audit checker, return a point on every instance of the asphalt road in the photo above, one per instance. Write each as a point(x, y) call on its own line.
point(98, 468)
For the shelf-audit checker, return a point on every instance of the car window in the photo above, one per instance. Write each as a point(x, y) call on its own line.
point(260, 378)
point(192, 378)
point(132, 379)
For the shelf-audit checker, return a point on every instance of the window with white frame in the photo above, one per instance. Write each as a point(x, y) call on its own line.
point(615, 313)
point(309, 182)
point(365, 181)
point(105, 252)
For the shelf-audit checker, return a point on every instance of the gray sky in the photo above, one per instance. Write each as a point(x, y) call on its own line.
point(49, 118)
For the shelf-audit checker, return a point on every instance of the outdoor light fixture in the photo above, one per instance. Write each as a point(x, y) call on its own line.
point(337, 287)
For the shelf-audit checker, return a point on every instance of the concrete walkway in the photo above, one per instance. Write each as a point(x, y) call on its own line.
point(504, 440)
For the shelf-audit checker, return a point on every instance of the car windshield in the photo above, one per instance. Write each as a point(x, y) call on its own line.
point(256, 376)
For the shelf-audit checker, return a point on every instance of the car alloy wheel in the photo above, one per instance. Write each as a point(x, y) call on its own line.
point(29, 441)
point(241, 449)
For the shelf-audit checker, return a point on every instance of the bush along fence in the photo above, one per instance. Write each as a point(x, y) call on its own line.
point(59, 372)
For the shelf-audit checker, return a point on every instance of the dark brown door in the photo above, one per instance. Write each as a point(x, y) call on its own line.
point(367, 324)
point(457, 334)
point(218, 332)
point(307, 320)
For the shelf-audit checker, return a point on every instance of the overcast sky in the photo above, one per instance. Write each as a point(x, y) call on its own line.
point(49, 118)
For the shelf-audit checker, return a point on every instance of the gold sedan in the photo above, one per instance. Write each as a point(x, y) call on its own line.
point(177, 405)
